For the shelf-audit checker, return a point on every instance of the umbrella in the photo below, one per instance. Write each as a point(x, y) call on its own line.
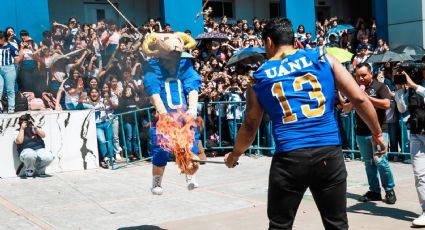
point(341, 54)
point(213, 36)
point(247, 56)
point(417, 52)
point(337, 29)
point(389, 56)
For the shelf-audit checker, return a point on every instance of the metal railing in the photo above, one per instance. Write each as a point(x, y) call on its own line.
point(353, 148)
point(263, 142)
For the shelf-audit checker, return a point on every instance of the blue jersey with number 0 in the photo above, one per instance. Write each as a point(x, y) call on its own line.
point(298, 92)
point(172, 87)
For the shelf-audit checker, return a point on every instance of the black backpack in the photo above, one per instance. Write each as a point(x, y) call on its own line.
point(416, 107)
point(21, 102)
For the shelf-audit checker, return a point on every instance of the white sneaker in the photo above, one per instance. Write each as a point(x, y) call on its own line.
point(157, 190)
point(191, 183)
point(29, 173)
point(420, 221)
point(118, 157)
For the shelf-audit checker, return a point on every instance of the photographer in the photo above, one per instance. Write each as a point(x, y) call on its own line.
point(234, 110)
point(410, 97)
point(31, 147)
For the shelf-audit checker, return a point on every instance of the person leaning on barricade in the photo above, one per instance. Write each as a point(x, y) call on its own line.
point(31, 147)
point(410, 97)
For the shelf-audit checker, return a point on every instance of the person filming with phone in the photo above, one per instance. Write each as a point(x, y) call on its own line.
point(31, 147)
point(410, 96)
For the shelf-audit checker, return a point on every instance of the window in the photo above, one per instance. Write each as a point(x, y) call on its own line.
point(100, 14)
point(274, 9)
point(220, 8)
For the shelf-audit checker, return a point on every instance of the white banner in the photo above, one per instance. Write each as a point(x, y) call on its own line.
point(70, 136)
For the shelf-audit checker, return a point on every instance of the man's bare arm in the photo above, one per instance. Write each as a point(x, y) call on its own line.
point(346, 84)
point(253, 116)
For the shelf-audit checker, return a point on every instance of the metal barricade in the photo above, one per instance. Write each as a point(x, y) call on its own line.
point(404, 142)
point(263, 141)
point(147, 110)
point(257, 147)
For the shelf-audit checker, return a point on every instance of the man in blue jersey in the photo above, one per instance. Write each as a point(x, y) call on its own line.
point(8, 56)
point(172, 84)
point(296, 88)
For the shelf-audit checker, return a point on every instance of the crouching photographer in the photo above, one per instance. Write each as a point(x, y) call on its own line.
point(31, 147)
point(410, 97)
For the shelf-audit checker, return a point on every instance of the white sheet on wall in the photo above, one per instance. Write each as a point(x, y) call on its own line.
point(70, 136)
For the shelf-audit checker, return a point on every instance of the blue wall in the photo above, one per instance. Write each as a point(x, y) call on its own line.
point(380, 12)
point(300, 12)
point(181, 15)
point(31, 15)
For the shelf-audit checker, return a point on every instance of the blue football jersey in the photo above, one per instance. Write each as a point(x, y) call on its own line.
point(172, 87)
point(298, 92)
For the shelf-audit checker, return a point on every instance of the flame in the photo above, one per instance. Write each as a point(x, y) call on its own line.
point(175, 134)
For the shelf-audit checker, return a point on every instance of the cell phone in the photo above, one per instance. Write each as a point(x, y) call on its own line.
point(400, 79)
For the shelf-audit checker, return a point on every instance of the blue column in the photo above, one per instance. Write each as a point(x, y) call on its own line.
point(181, 15)
point(300, 12)
point(380, 13)
point(31, 15)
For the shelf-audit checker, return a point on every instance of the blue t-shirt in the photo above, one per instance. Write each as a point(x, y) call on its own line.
point(298, 92)
point(172, 87)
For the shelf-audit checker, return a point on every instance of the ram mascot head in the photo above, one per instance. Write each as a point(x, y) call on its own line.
point(167, 45)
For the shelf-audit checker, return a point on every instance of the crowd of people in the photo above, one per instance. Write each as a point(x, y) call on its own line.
point(98, 66)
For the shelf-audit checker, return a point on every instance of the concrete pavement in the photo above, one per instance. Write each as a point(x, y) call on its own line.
point(226, 199)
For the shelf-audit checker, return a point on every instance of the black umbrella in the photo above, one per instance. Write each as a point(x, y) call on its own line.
point(247, 56)
point(417, 52)
point(389, 56)
point(213, 36)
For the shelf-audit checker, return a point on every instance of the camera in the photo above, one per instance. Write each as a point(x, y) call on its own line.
point(233, 89)
point(414, 69)
point(26, 118)
point(400, 79)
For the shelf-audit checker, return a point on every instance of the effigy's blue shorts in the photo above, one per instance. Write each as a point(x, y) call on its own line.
point(159, 155)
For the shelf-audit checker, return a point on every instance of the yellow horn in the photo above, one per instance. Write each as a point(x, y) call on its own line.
point(149, 40)
point(189, 42)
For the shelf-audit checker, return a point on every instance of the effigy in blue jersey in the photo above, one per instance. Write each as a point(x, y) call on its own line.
point(173, 89)
point(297, 92)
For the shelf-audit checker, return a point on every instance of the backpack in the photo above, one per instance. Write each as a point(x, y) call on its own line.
point(416, 106)
point(49, 100)
point(36, 104)
point(29, 95)
point(21, 102)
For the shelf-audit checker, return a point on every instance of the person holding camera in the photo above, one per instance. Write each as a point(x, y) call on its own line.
point(234, 109)
point(410, 97)
point(31, 147)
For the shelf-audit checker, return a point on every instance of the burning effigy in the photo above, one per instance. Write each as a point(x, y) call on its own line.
point(172, 84)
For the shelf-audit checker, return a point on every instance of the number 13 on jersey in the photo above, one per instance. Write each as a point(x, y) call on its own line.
point(316, 94)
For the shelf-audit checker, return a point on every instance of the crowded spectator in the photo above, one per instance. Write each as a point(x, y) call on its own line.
point(128, 102)
point(8, 56)
point(104, 131)
point(74, 88)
